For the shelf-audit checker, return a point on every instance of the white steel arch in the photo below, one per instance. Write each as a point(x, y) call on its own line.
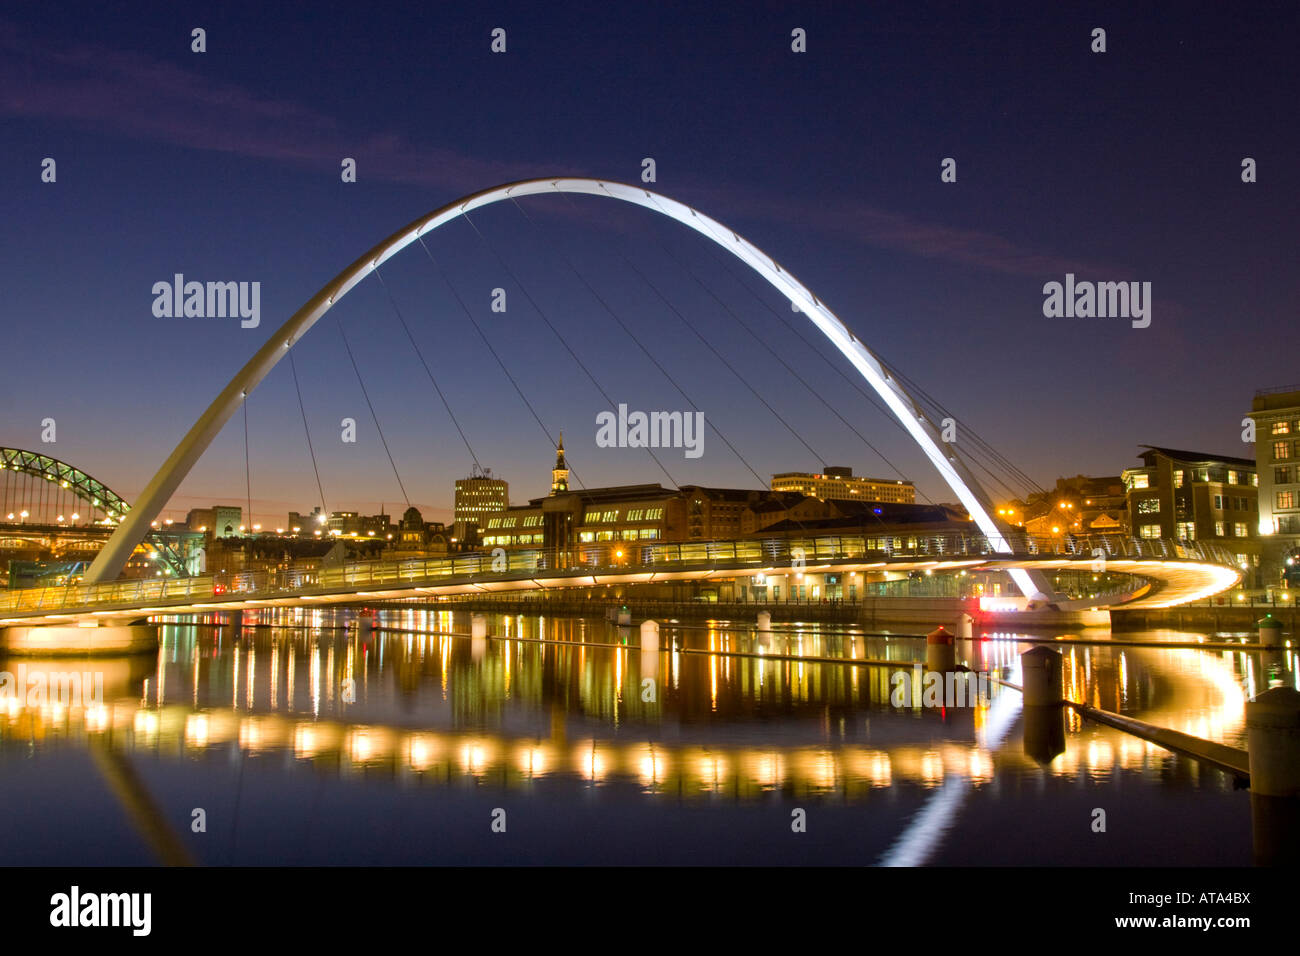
point(112, 559)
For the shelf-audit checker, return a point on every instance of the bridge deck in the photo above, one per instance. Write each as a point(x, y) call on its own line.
point(1163, 573)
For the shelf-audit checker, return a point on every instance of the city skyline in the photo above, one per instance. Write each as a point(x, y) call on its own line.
point(901, 255)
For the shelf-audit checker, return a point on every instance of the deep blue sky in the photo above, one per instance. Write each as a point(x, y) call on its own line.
point(225, 166)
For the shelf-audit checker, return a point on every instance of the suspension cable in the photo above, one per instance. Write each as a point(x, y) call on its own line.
point(248, 474)
point(374, 417)
point(563, 342)
point(501, 364)
point(428, 371)
point(624, 326)
point(857, 386)
point(293, 366)
point(776, 355)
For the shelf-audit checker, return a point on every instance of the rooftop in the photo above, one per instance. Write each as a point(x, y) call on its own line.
point(1196, 457)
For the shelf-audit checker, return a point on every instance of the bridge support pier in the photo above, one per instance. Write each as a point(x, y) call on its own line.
point(46, 640)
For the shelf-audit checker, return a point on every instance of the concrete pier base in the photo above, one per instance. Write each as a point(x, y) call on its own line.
point(54, 640)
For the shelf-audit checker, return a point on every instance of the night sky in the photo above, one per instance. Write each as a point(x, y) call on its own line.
point(225, 166)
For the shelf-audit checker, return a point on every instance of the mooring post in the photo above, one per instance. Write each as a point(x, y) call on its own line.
point(1043, 690)
point(1273, 742)
point(940, 652)
point(1042, 680)
point(1270, 631)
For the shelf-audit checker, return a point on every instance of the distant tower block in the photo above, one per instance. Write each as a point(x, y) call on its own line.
point(480, 495)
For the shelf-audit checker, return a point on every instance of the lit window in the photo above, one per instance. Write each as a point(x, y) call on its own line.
point(1148, 506)
point(1281, 450)
point(1239, 529)
point(1281, 428)
point(1139, 482)
point(1218, 529)
point(1149, 531)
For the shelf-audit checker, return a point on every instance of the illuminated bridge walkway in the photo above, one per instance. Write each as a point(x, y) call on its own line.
point(1135, 573)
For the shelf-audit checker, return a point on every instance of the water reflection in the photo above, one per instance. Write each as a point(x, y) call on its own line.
point(718, 711)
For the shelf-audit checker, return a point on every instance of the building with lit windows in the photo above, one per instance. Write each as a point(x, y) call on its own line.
point(417, 538)
point(219, 521)
point(837, 483)
point(1276, 414)
point(566, 520)
point(339, 524)
point(478, 496)
point(307, 525)
point(1080, 505)
point(1187, 495)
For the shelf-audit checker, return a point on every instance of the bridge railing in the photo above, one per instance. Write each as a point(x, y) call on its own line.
point(606, 558)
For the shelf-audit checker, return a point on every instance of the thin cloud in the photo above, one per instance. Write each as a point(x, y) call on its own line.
point(127, 94)
point(131, 95)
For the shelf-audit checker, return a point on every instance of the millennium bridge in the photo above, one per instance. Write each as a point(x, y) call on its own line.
point(1160, 573)
point(1153, 573)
